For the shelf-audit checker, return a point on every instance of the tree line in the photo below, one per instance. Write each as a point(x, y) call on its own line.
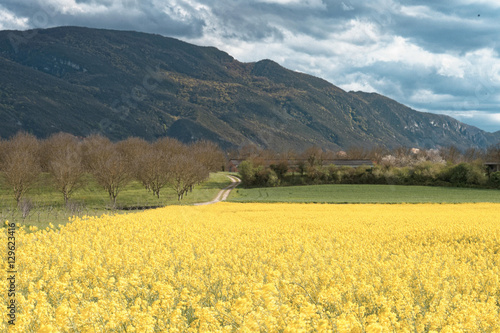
point(403, 166)
point(164, 163)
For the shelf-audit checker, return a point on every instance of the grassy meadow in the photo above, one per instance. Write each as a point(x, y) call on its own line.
point(364, 194)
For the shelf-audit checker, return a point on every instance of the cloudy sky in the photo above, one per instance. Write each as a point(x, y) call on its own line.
point(435, 56)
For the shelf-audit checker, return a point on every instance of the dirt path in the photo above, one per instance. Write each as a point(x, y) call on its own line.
point(224, 193)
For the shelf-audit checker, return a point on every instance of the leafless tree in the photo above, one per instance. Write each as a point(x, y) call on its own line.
point(493, 153)
point(63, 160)
point(185, 172)
point(357, 153)
point(208, 154)
point(107, 164)
point(186, 166)
point(179, 166)
point(167, 162)
point(249, 151)
point(451, 154)
point(133, 150)
point(313, 155)
point(20, 163)
point(154, 164)
point(377, 153)
point(473, 155)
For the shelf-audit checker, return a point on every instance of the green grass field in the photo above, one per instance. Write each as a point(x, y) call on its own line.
point(48, 204)
point(364, 194)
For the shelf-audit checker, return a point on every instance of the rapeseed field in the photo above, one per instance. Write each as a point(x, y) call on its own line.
point(233, 267)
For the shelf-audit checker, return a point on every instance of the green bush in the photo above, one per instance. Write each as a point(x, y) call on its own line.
point(476, 174)
point(363, 175)
point(280, 168)
point(464, 174)
point(247, 173)
point(495, 179)
point(458, 174)
point(334, 174)
point(347, 175)
point(425, 173)
point(266, 177)
point(317, 174)
point(402, 176)
point(378, 174)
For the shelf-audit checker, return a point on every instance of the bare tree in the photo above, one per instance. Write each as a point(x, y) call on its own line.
point(473, 155)
point(377, 153)
point(451, 154)
point(208, 154)
point(63, 156)
point(154, 164)
point(133, 150)
point(357, 153)
point(186, 164)
point(20, 163)
point(107, 164)
point(314, 156)
point(249, 151)
point(185, 172)
point(179, 166)
point(493, 153)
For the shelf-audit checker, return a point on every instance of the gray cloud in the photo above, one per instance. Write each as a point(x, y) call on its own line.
point(434, 56)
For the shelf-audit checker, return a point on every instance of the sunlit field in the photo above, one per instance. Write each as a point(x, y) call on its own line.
point(234, 267)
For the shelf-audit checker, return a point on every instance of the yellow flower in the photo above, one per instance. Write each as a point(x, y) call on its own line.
point(264, 267)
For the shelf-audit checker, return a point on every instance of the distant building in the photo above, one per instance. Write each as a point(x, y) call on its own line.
point(349, 163)
point(492, 166)
point(233, 164)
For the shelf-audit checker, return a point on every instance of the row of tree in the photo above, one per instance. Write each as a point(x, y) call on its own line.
point(446, 167)
point(424, 173)
point(400, 156)
point(163, 163)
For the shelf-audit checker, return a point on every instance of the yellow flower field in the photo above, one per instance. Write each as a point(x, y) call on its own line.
point(264, 267)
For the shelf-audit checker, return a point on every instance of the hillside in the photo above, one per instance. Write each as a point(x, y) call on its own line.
point(122, 83)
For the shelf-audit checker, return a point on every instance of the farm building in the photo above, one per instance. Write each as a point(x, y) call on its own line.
point(295, 163)
point(492, 166)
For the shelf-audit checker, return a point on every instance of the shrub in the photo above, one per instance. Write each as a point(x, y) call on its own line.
point(464, 174)
point(334, 174)
point(458, 174)
point(247, 173)
point(495, 179)
point(363, 175)
point(281, 168)
point(402, 176)
point(425, 173)
point(476, 174)
point(347, 174)
point(265, 177)
point(317, 174)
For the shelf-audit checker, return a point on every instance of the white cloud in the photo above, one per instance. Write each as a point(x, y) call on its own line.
point(478, 116)
point(9, 21)
point(428, 96)
point(298, 3)
point(71, 7)
point(489, 3)
point(347, 7)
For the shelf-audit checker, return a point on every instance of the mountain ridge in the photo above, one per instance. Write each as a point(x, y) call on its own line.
point(122, 83)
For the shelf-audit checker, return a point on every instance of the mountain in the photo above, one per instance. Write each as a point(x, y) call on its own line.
point(123, 83)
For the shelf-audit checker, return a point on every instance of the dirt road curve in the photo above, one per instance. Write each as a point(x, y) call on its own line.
point(224, 193)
